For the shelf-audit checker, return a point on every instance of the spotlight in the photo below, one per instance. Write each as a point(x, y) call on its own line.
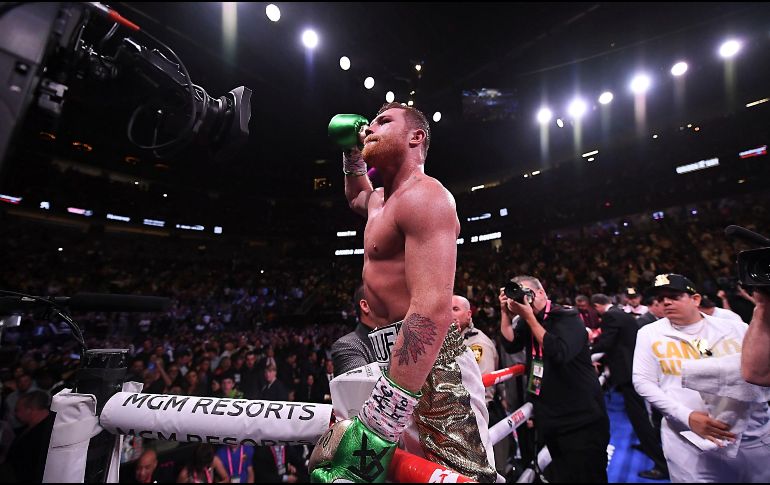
point(577, 108)
point(559, 122)
point(418, 67)
point(679, 68)
point(310, 39)
point(606, 97)
point(273, 12)
point(437, 116)
point(344, 63)
point(544, 115)
point(389, 97)
point(369, 82)
point(410, 103)
point(640, 83)
point(729, 48)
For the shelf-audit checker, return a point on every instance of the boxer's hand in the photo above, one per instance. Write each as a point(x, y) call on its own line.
point(360, 449)
point(347, 131)
point(351, 452)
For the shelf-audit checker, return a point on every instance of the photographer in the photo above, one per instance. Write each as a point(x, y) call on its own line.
point(755, 359)
point(569, 412)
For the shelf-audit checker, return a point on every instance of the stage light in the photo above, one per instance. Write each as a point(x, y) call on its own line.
point(410, 103)
point(729, 48)
point(544, 115)
point(310, 39)
point(559, 122)
point(640, 83)
point(606, 97)
point(577, 108)
point(437, 116)
point(679, 68)
point(418, 67)
point(344, 63)
point(389, 96)
point(759, 101)
point(273, 12)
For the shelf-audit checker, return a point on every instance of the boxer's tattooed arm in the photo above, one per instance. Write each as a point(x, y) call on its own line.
point(418, 332)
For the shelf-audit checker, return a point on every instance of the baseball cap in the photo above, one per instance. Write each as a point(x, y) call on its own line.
point(672, 281)
point(632, 293)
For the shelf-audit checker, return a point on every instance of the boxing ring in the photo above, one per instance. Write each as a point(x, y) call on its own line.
point(223, 421)
point(219, 421)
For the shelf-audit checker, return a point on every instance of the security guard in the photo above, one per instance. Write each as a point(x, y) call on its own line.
point(483, 348)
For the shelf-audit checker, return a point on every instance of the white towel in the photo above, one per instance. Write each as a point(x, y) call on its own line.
point(727, 396)
point(722, 376)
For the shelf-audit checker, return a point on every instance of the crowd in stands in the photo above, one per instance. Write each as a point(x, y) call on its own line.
point(243, 326)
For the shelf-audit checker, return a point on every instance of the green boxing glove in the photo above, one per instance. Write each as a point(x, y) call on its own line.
point(360, 450)
point(345, 129)
point(351, 452)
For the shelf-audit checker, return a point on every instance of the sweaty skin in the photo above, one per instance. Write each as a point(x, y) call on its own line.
point(410, 245)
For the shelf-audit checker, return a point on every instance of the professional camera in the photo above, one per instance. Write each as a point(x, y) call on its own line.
point(46, 51)
point(753, 264)
point(516, 292)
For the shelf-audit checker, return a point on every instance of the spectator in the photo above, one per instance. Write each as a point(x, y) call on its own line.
point(147, 471)
point(28, 452)
point(238, 462)
point(309, 392)
point(634, 303)
point(709, 307)
point(587, 313)
point(273, 390)
point(204, 467)
point(279, 464)
point(654, 313)
point(24, 384)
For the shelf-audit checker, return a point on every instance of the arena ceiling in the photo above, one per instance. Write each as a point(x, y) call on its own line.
point(530, 54)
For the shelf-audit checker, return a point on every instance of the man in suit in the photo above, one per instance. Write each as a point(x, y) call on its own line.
point(617, 341)
point(274, 390)
point(355, 349)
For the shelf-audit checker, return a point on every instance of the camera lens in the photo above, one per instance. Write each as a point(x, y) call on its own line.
point(759, 269)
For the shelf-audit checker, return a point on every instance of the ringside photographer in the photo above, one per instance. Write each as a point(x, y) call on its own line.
point(569, 412)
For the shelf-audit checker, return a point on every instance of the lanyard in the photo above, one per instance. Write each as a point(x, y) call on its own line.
point(532, 337)
point(279, 463)
point(230, 461)
point(208, 476)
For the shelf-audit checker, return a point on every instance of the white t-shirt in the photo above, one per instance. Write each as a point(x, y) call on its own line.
point(728, 314)
point(660, 349)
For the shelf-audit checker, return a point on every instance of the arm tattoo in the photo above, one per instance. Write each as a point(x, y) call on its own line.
point(418, 332)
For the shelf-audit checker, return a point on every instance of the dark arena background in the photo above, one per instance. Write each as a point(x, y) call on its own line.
point(591, 145)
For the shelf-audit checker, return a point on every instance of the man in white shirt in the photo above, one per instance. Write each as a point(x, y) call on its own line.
point(710, 308)
point(661, 347)
point(634, 303)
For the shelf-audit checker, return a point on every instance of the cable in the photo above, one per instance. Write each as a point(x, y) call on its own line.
point(190, 123)
point(61, 311)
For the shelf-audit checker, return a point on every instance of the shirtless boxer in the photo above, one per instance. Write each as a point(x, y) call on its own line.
point(410, 251)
